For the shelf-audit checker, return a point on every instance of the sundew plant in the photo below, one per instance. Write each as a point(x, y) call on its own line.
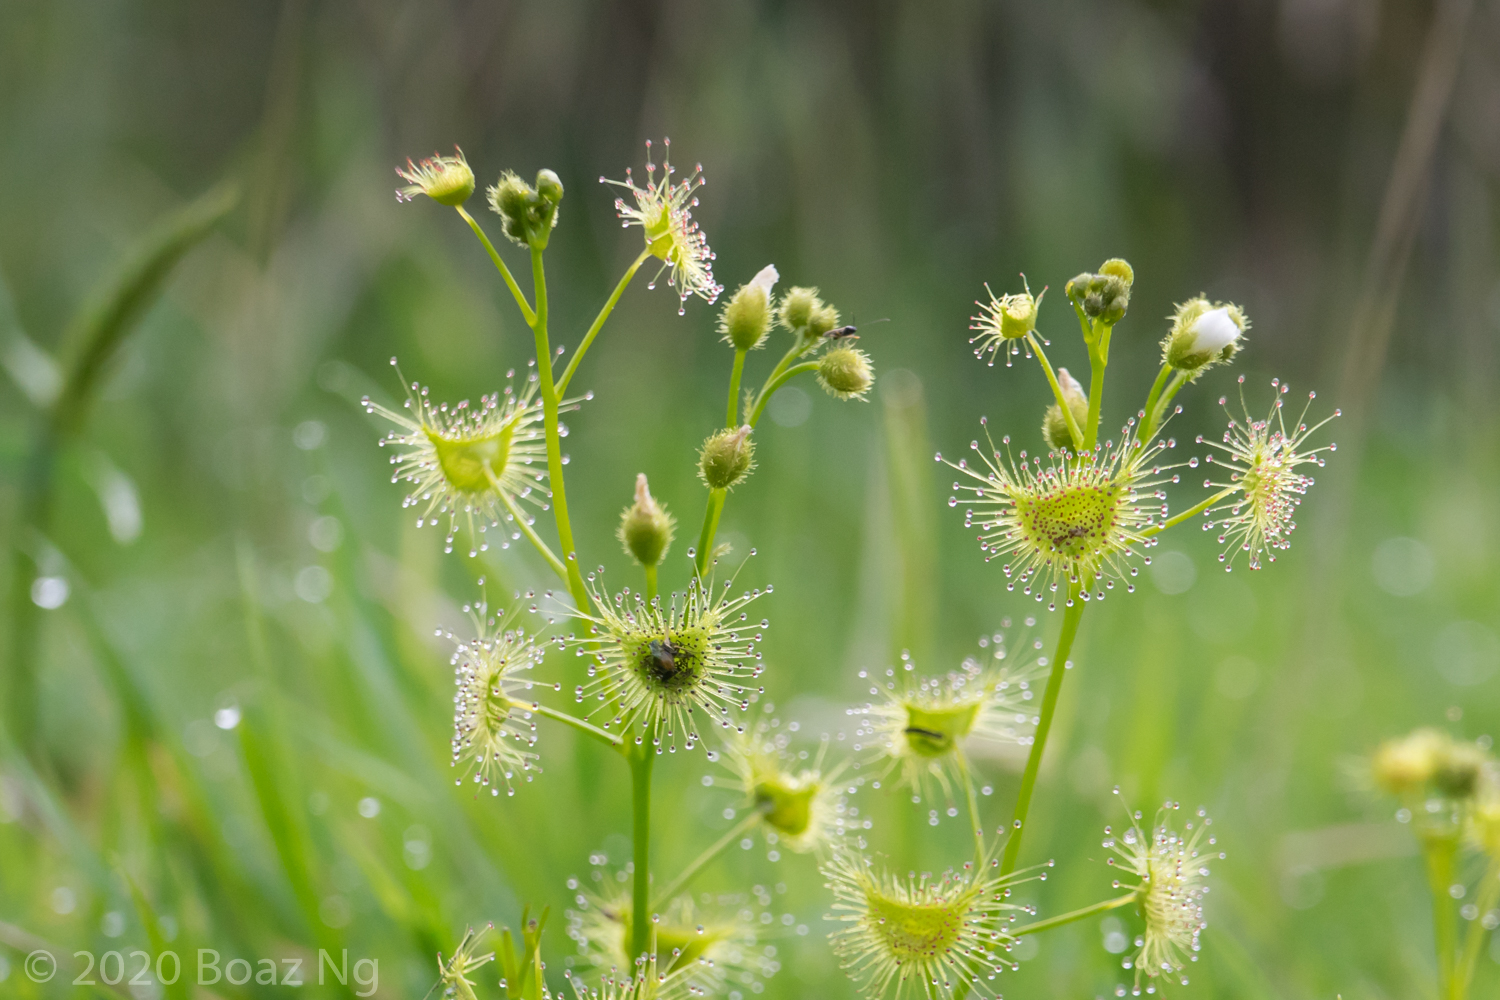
point(669, 662)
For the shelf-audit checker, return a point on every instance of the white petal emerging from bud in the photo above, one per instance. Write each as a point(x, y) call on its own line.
point(1069, 384)
point(1214, 331)
point(766, 278)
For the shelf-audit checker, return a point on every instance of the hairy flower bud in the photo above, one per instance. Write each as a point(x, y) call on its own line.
point(527, 213)
point(846, 373)
point(807, 316)
point(646, 529)
point(1203, 333)
point(1054, 424)
point(746, 320)
point(727, 458)
point(447, 180)
point(1104, 296)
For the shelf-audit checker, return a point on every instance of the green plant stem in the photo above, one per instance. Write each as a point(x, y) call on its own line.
point(1199, 508)
point(650, 584)
point(733, 410)
point(1072, 614)
point(710, 528)
point(1440, 850)
point(777, 383)
point(1489, 895)
point(1098, 362)
point(1062, 402)
point(609, 307)
point(698, 863)
point(978, 827)
point(641, 759)
point(792, 354)
point(578, 724)
point(554, 439)
point(510, 281)
point(1149, 427)
point(527, 529)
point(1068, 918)
point(1158, 417)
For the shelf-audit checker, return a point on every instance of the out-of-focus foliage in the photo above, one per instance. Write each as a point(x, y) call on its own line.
point(235, 552)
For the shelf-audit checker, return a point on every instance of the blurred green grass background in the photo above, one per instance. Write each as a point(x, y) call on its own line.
point(232, 544)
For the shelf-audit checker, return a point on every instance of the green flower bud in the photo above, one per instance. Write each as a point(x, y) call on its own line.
point(746, 320)
point(1054, 424)
point(1203, 333)
point(846, 373)
point(527, 216)
point(447, 180)
point(1459, 770)
point(646, 529)
point(1117, 267)
point(549, 186)
point(1104, 296)
point(808, 317)
point(727, 458)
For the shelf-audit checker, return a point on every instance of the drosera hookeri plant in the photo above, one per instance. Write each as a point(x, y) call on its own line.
point(1066, 522)
point(657, 670)
point(1066, 519)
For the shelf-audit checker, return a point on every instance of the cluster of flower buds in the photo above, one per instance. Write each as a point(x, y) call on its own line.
point(807, 316)
point(1430, 762)
point(527, 212)
point(1104, 296)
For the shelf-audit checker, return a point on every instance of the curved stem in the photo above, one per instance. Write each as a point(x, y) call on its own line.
point(1062, 402)
point(1177, 519)
point(554, 439)
point(1148, 429)
point(527, 529)
point(1068, 918)
point(650, 584)
point(1489, 895)
point(1072, 614)
point(510, 282)
point(734, 389)
point(641, 761)
point(609, 307)
point(710, 528)
point(578, 724)
point(777, 383)
point(698, 863)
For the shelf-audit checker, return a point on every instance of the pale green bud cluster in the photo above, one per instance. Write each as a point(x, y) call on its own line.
point(1203, 333)
point(1054, 424)
point(527, 213)
point(1104, 296)
point(1427, 762)
point(846, 373)
point(646, 529)
point(746, 321)
point(807, 316)
point(727, 457)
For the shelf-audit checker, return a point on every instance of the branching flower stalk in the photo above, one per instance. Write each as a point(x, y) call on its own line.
point(1086, 514)
point(657, 663)
point(1068, 522)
